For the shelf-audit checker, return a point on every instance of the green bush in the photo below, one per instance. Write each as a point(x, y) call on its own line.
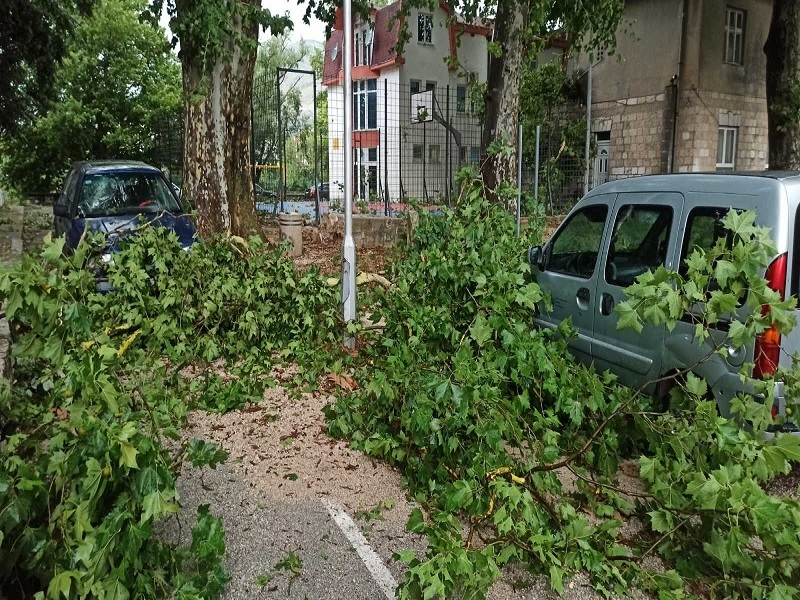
point(489, 417)
point(90, 445)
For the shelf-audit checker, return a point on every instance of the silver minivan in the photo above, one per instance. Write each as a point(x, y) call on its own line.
point(623, 228)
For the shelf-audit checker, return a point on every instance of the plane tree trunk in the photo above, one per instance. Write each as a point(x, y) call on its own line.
point(501, 117)
point(783, 85)
point(217, 125)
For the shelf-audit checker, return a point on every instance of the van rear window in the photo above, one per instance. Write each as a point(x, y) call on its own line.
point(703, 229)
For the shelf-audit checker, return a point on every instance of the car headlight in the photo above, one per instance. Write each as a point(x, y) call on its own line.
point(187, 248)
point(107, 258)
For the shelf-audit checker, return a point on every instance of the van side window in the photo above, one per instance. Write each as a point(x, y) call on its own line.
point(703, 229)
point(638, 243)
point(575, 248)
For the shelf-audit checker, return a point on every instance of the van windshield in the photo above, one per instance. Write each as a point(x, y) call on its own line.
point(127, 193)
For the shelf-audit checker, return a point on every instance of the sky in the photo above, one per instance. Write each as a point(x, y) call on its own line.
point(315, 31)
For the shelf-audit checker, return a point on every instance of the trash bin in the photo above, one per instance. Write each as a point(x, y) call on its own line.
point(291, 226)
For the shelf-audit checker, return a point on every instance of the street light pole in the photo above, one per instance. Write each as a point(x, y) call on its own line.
point(348, 244)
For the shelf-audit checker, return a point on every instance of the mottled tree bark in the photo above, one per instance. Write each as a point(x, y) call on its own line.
point(783, 85)
point(216, 155)
point(501, 117)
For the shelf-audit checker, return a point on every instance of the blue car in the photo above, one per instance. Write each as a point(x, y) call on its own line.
point(113, 197)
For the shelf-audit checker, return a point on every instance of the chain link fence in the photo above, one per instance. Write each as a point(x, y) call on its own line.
point(409, 142)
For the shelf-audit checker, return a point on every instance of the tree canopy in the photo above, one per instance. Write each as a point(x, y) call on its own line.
point(118, 78)
point(33, 36)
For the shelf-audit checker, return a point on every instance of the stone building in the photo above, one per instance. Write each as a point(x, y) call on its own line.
point(687, 91)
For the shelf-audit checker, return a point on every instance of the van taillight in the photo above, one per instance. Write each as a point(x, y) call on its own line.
point(768, 344)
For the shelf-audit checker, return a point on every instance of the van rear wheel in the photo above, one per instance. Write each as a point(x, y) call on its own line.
point(663, 393)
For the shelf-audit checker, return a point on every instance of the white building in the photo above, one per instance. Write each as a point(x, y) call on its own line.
point(406, 143)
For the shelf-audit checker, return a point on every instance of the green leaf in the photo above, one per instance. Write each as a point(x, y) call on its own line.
point(661, 521)
point(405, 556)
point(459, 496)
point(480, 331)
point(628, 317)
point(128, 455)
point(696, 386)
point(416, 522)
point(557, 579)
point(157, 504)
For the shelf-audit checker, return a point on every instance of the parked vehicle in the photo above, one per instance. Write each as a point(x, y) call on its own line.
point(321, 189)
point(113, 197)
point(623, 228)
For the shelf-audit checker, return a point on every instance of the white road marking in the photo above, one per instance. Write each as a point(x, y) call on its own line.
point(371, 560)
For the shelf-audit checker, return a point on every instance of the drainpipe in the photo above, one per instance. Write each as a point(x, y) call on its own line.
point(677, 80)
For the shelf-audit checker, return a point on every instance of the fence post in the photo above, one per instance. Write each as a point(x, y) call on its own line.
point(519, 180)
point(253, 144)
point(448, 147)
point(536, 167)
point(385, 144)
point(280, 138)
point(425, 161)
point(316, 152)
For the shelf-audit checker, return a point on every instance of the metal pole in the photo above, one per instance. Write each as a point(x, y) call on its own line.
point(253, 173)
point(448, 148)
point(348, 244)
point(280, 137)
point(385, 143)
point(588, 130)
point(283, 168)
point(519, 180)
point(536, 167)
point(316, 152)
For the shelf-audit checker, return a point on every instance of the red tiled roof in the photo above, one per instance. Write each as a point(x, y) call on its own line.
point(386, 38)
point(331, 66)
point(387, 33)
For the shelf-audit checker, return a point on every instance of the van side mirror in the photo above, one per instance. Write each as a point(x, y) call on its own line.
point(536, 257)
point(59, 210)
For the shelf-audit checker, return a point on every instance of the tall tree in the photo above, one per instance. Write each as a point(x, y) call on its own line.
point(783, 85)
point(218, 43)
point(523, 27)
point(117, 80)
point(33, 36)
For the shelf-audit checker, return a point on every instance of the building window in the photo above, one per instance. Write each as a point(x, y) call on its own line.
point(365, 104)
point(430, 86)
point(461, 98)
point(462, 154)
point(734, 36)
point(474, 154)
point(357, 48)
point(433, 153)
point(726, 147)
point(415, 85)
point(425, 28)
point(418, 152)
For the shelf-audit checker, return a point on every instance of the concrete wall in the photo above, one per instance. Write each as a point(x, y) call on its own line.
point(647, 44)
point(369, 231)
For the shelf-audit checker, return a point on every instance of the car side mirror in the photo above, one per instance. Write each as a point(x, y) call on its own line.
point(536, 257)
point(59, 210)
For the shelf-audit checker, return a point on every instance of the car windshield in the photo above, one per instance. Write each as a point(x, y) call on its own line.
point(105, 194)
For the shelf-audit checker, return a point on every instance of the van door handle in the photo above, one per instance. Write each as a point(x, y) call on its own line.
point(606, 304)
point(583, 294)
